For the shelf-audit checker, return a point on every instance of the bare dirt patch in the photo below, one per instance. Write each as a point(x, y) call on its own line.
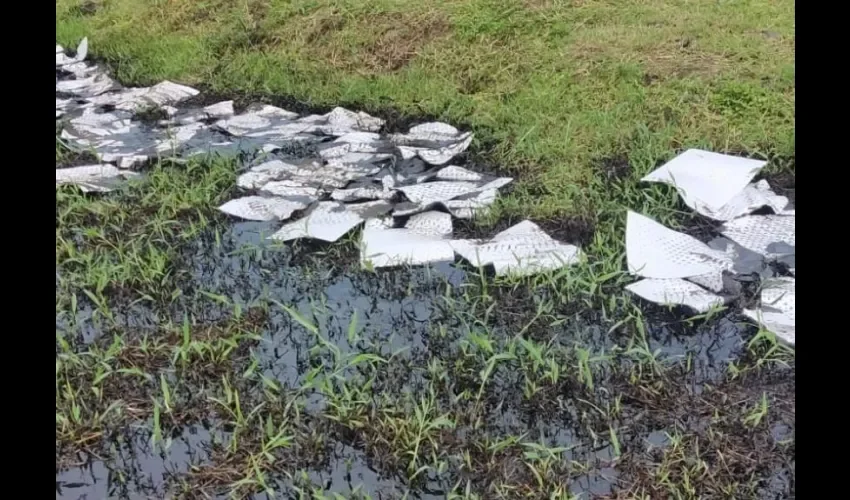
point(376, 43)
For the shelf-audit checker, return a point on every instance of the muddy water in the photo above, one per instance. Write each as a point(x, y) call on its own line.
point(396, 310)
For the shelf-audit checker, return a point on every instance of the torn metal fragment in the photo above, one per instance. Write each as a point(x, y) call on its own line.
point(706, 181)
point(267, 121)
point(383, 247)
point(778, 308)
point(92, 125)
point(438, 155)
point(219, 110)
point(92, 86)
point(328, 221)
point(431, 192)
point(455, 173)
point(675, 291)
point(370, 209)
point(368, 192)
point(750, 199)
point(341, 121)
point(354, 142)
point(262, 209)
point(759, 232)
point(467, 207)
point(290, 189)
point(433, 131)
point(654, 251)
point(379, 223)
point(521, 250)
point(176, 137)
point(93, 178)
point(432, 223)
point(82, 49)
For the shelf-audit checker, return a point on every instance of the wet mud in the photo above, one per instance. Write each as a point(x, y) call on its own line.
point(417, 317)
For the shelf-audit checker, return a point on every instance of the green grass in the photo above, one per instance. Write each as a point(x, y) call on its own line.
point(552, 89)
point(549, 86)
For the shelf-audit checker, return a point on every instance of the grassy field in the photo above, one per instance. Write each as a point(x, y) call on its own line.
point(550, 87)
point(294, 372)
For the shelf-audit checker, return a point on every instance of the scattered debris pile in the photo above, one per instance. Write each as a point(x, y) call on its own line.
point(399, 186)
point(679, 269)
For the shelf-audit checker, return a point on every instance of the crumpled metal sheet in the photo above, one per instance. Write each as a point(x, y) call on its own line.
point(468, 206)
point(92, 86)
point(455, 173)
point(437, 155)
point(778, 308)
point(80, 69)
point(93, 178)
point(260, 208)
point(370, 209)
point(312, 174)
point(654, 251)
point(521, 250)
point(290, 189)
point(220, 109)
point(442, 191)
point(707, 181)
point(254, 180)
point(273, 170)
point(759, 232)
point(328, 221)
point(262, 121)
point(750, 199)
point(354, 142)
point(436, 143)
point(433, 131)
point(126, 147)
point(341, 121)
point(178, 137)
point(674, 291)
point(431, 192)
point(92, 124)
point(358, 164)
point(136, 99)
point(432, 223)
point(82, 52)
point(365, 192)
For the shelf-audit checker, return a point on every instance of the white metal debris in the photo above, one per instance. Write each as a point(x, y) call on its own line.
point(455, 173)
point(365, 192)
point(93, 178)
point(759, 232)
point(381, 247)
point(750, 199)
point(350, 160)
point(653, 251)
point(328, 221)
point(262, 209)
point(432, 223)
point(521, 250)
point(468, 206)
point(290, 189)
point(432, 192)
point(717, 186)
point(778, 308)
point(707, 181)
point(674, 291)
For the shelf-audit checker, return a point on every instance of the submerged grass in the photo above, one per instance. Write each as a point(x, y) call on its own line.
point(553, 386)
